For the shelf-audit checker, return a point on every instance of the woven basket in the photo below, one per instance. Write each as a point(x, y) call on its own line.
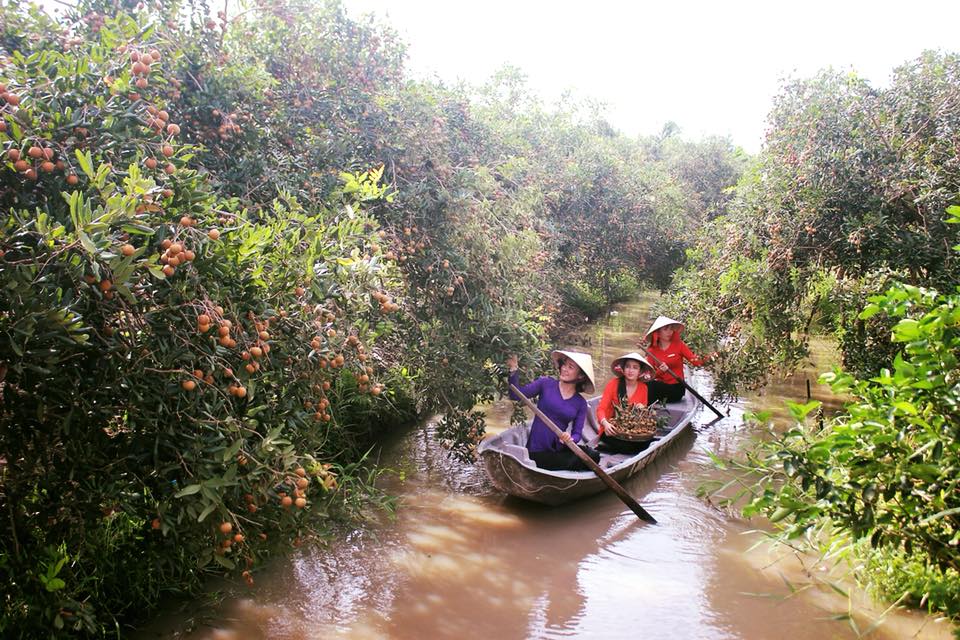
point(635, 423)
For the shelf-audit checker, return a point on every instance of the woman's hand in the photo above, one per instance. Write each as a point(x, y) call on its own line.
point(512, 362)
point(565, 437)
point(609, 428)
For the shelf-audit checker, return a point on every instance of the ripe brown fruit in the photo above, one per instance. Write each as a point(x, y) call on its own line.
point(142, 83)
point(186, 221)
point(35, 152)
point(241, 392)
point(188, 385)
point(226, 527)
point(12, 99)
point(213, 234)
point(203, 319)
point(156, 523)
point(170, 169)
point(169, 270)
point(151, 163)
point(48, 166)
point(72, 179)
point(256, 352)
point(301, 472)
point(166, 150)
point(173, 129)
point(13, 155)
point(21, 165)
point(238, 538)
point(301, 503)
point(128, 250)
point(303, 483)
point(286, 501)
point(105, 285)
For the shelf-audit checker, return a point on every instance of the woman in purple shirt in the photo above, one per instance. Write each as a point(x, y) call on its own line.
point(559, 398)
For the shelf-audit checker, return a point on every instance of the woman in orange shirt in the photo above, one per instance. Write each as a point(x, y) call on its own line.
point(671, 352)
point(627, 386)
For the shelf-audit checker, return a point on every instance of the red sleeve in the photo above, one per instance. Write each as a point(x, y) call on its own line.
point(605, 408)
point(690, 356)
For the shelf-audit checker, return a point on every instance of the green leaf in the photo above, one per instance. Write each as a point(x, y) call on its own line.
point(210, 509)
point(906, 407)
point(780, 514)
point(869, 311)
point(85, 160)
point(87, 243)
point(801, 411)
point(54, 584)
point(189, 490)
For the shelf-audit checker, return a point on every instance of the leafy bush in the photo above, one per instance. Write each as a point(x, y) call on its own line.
point(894, 575)
point(183, 385)
point(886, 471)
point(848, 192)
point(585, 299)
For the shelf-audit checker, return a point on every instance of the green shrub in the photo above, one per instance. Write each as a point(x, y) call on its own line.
point(884, 472)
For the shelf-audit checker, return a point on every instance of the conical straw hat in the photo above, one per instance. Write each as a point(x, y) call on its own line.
point(633, 355)
point(582, 360)
point(661, 322)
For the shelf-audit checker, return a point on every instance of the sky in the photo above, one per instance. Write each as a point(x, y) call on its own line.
point(711, 67)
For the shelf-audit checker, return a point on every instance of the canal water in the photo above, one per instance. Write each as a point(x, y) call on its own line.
point(461, 560)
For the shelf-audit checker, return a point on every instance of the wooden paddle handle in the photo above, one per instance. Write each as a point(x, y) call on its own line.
point(610, 482)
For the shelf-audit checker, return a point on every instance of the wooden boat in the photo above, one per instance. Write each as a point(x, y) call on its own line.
point(507, 461)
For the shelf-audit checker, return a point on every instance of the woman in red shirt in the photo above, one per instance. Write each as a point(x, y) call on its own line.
point(667, 347)
point(627, 386)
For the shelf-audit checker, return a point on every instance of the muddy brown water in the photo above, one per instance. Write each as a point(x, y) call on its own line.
point(462, 561)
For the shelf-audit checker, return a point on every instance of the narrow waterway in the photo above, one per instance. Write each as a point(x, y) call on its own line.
point(462, 561)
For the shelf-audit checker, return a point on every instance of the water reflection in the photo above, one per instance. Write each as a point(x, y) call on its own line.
point(462, 561)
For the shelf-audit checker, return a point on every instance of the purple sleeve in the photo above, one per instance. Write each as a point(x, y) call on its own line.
point(530, 390)
point(578, 421)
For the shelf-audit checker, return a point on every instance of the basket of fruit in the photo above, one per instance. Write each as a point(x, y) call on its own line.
point(635, 422)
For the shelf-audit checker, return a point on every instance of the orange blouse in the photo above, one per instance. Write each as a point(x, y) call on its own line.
point(610, 398)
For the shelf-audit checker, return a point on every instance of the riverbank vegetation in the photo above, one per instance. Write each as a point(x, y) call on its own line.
point(237, 249)
point(847, 224)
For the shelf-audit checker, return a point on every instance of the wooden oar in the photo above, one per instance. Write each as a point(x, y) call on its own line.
point(610, 482)
point(682, 381)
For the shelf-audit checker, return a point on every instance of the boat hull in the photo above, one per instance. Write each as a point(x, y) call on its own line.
point(510, 469)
